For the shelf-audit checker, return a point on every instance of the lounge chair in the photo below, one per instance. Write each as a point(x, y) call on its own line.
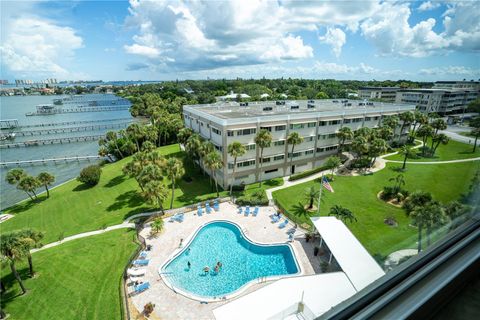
point(142, 287)
point(283, 224)
point(275, 218)
point(141, 262)
point(177, 217)
point(247, 211)
point(136, 272)
point(199, 211)
point(143, 254)
point(208, 209)
point(135, 279)
point(255, 211)
point(240, 210)
point(216, 206)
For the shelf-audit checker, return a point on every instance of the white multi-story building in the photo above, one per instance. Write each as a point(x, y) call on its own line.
point(386, 94)
point(441, 101)
point(317, 121)
point(462, 85)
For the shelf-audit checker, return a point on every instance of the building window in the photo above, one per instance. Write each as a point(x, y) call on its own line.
point(230, 165)
point(357, 120)
point(215, 130)
point(280, 128)
point(230, 133)
point(347, 120)
point(269, 129)
point(327, 136)
point(265, 160)
point(249, 147)
point(279, 143)
point(297, 125)
point(325, 149)
point(246, 132)
point(322, 123)
point(311, 124)
point(271, 171)
point(307, 152)
point(279, 157)
point(295, 154)
point(245, 163)
point(368, 119)
point(334, 122)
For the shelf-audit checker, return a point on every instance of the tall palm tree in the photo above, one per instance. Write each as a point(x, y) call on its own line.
point(425, 132)
point(13, 249)
point(133, 169)
point(417, 199)
point(377, 148)
point(437, 140)
point(311, 193)
point(436, 217)
point(174, 169)
point(333, 163)
point(206, 147)
point(150, 172)
point(214, 162)
point(385, 133)
point(263, 140)
point(193, 146)
point(183, 135)
point(155, 192)
point(235, 150)
point(46, 179)
point(112, 136)
point(293, 138)
point(15, 175)
point(475, 124)
point(420, 120)
point(438, 124)
point(343, 134)
point(29, 184)
point(407, 119)
point(31, 239)
point(420, 216)
point(406, 151)
point(392, 122)
point(134, 131)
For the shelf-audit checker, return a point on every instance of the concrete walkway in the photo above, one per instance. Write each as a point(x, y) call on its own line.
point(435, 162)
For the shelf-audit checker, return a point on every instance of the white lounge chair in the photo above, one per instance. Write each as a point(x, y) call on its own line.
point(136, 272)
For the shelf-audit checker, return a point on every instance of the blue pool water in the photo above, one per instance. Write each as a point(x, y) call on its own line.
point(242, 261)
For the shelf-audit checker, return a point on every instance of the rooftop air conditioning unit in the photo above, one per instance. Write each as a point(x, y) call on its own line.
point(295, 107)
point(267, 108)
point(243, 104)
point(280, 103)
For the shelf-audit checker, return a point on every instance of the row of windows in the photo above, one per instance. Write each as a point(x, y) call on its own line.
point(327, 136)
point(300, 153)
point(242, 164)
point(274, 158)
point(215, 130)
point(276, 128)
point(242, 132)
point(325, 149)
point(249, 147)
point(302, 125)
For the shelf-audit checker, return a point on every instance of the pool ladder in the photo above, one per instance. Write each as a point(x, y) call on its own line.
point(262, 280)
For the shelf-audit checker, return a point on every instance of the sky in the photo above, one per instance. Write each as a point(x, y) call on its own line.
point(167, 40)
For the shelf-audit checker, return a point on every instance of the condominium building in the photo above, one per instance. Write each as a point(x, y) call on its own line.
point(461, 85)
point(441, 101)
point(317, 121)
point(386, 94)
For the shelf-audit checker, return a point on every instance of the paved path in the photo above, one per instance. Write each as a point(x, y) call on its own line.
point(435, 162)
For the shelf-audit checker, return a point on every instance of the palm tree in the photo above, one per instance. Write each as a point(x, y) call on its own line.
point(151, 172)
point(406, 151)
point(392, 122)
point(112, 136)
point(15, 175)
point(311, 193)
point(419, 216)
point(155, 192)
point(457, 213)
point(425, 132)
point(134, 131)
point(235, 150)
point(399, 182)
point(31, 239)
point(193, 146)
point(439, 139)
point(438, 124)
point(133, 169)
point(206, 147)
point(475, 124)
point(46, 179)
point(333, 163)
point(148, 146)
point(157, 225)
point(214, 162)
point(360, 146)
point(174, 169)
point(183, 135)
point(342, 213)
point(407, 119)
point(29, 184)
point(386, 133)
point(263, 140)
point(293, 138)
point(377, 148)
point(436, 217)
point(344, 134)
point(417, 199)
point(13, 249)
point(420, 119)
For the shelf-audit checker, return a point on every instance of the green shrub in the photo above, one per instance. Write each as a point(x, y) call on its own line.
point(90, 175)
point(258, 198)
point(307, 173)
point(238, 187)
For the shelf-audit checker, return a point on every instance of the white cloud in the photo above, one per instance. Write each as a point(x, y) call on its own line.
point(455, 71)
point(142, 50)
point(336, 38)
point(37, 47)
point(428, 5)
point(288, 48)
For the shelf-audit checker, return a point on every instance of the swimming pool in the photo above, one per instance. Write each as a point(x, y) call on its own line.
point(242, 262)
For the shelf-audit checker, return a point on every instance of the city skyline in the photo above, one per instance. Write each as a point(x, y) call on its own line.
point(144, 40)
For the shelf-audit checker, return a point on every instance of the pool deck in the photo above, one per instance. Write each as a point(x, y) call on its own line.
point(171, 305)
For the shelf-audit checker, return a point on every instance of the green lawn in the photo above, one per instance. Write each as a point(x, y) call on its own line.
point(453, 150)
point(359, 194)
point(76, 280)
point(73, 209)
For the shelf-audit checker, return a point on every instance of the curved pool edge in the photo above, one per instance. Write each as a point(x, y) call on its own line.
point(163, 275)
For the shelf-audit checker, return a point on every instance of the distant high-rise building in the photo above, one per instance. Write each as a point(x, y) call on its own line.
point(3, 81)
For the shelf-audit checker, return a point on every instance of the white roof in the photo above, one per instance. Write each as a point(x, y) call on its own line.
point(353, 258)
point(321, 292)
point(264, 95)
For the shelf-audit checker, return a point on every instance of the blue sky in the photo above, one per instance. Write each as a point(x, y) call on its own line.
point(161, 40)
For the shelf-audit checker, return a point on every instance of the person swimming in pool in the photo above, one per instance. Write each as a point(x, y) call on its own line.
point(206, 269)
point(216, 269)
point(189, 264)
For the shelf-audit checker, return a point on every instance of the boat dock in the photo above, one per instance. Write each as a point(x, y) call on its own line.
point(8, 123)
point(71, 129)
point(45, 161)
point(78, 110)
point(38, 142)
point(70, 123)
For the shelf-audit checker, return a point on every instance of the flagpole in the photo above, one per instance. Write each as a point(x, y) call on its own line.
point(320, 195)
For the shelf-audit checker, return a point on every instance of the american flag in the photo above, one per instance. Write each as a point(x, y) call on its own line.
point(326, 184)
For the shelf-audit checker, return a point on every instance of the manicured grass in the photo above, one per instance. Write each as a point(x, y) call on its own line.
point(452, 151)
point(73, 209)
point(76, 280)
point(359, 194)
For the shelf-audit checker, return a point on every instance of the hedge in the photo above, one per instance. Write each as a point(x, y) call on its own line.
point(307, 173)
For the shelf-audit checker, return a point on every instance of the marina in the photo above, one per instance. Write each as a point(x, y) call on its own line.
point(52, 160)
point(72, 129)
point(69, 123)
point(50, 109)
point(31, 143)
